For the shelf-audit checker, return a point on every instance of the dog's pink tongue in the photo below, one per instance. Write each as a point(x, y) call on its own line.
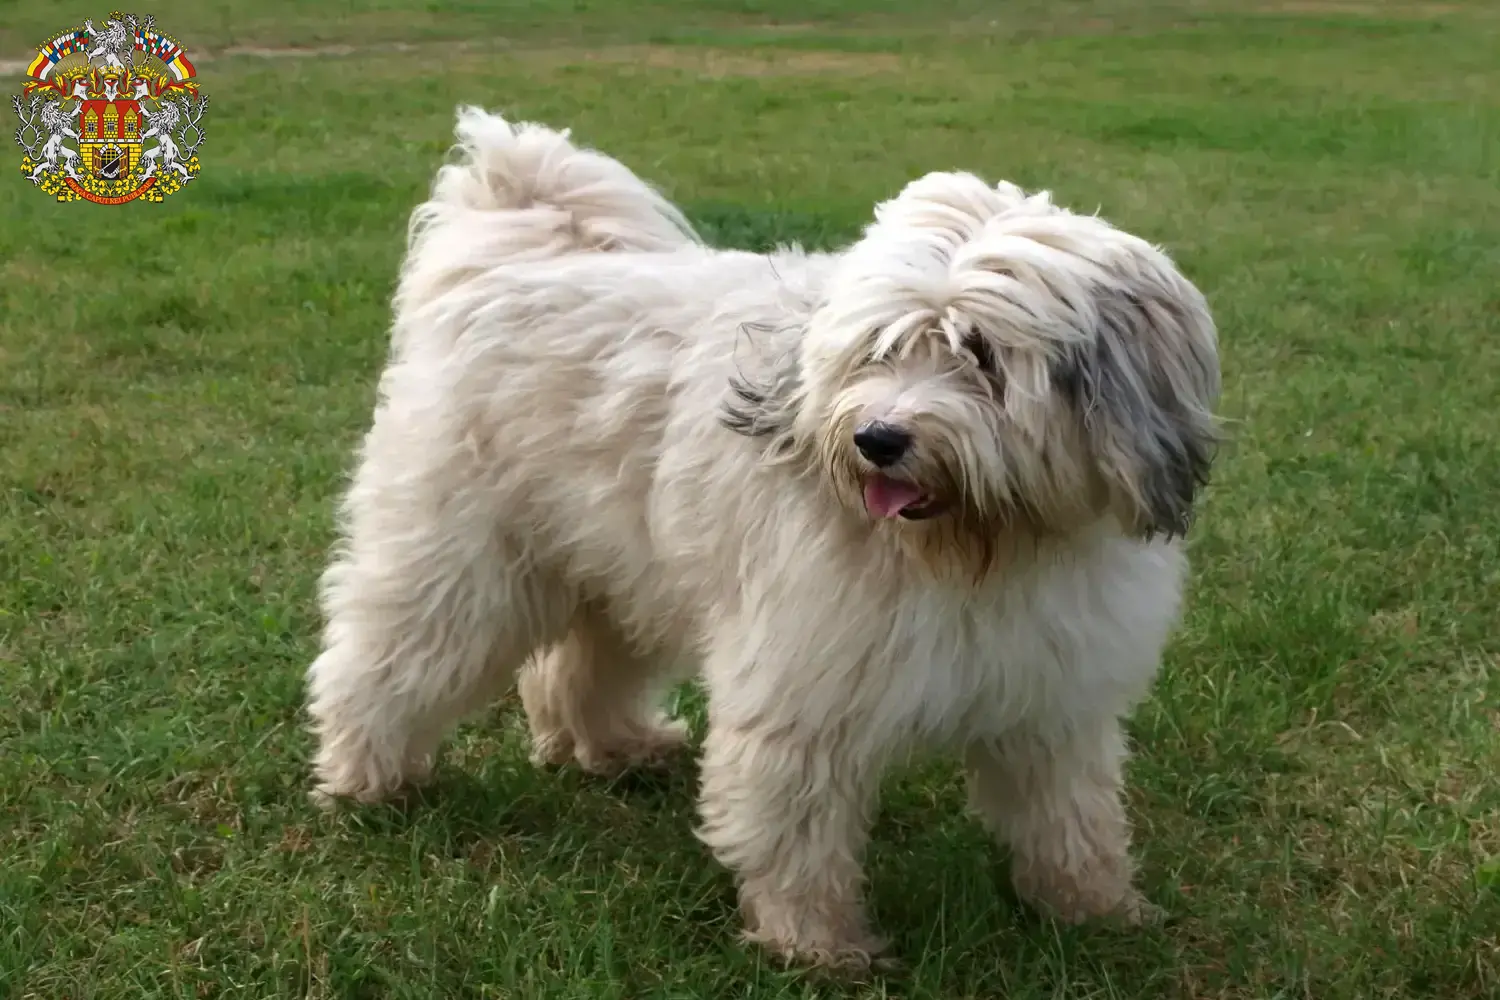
point(888, 497)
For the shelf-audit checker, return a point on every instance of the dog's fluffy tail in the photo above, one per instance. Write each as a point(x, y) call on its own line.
point(522, 191)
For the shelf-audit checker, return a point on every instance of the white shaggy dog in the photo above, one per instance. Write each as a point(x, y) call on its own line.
point(925, 490)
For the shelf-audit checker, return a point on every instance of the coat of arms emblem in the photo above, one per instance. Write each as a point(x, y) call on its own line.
point(111, 114)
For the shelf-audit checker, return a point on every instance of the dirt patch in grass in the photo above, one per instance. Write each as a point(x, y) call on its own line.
point(1362, 8)
point(714, 63)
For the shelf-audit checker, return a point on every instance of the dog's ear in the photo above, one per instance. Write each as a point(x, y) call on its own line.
point(1145, 385)
point(764, 404)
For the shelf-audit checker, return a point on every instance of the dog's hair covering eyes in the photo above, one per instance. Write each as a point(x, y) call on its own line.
point(1055, 302)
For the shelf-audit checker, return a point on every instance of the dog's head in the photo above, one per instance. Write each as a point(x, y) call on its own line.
point(986, 358)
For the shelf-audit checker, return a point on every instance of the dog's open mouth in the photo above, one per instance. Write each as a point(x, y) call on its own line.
point(886, 498)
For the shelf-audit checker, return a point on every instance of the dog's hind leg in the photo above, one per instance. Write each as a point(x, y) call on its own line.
point(418, 638)
point(1056, 802)
point(431, 609)
point(594, 698)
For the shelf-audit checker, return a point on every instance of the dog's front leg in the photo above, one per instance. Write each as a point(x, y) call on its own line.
point(1054, 796)
point(786, 804)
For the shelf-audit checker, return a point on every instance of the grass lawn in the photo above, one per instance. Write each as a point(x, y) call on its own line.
point(1317, 788)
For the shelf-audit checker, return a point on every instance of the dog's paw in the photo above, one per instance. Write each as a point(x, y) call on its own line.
point(1128, 907)
point(860, 954)
point(330, 797)
point(1137, 911)
point(552, 749)
point(834, 936)
point(367, 778)
point(647, 746)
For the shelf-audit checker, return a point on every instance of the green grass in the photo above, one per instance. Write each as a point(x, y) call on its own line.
point(180, 387)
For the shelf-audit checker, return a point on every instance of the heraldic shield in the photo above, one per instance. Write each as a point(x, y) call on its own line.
point(109, 139)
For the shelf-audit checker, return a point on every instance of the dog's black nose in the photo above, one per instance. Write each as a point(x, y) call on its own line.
point(881, 443)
